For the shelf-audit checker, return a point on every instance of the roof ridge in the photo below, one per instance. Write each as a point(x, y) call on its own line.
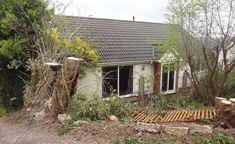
point(115, 19)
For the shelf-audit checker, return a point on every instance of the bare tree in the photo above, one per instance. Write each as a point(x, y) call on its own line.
point(207, 34)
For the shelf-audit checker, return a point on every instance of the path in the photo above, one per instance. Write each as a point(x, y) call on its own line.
point(11, 133)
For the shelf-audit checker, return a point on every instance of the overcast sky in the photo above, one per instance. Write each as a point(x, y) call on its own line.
point(143, 10)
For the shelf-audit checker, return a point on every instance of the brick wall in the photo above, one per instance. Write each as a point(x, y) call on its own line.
point(157, 78)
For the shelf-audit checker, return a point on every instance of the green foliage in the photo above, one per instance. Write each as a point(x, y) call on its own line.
point(65, 129)
point(218, 138)
point(162, 102)
point(20, 22)
point(132, 140)
point(119, 108)
point(97, 108)
point(223, 139)
point(230, 83)
point(2, 110)
point(29, 37)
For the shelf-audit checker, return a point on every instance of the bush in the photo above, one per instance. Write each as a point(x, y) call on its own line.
point(119, 107)
point(97, 108)
point(162, 102)
point(218, 138)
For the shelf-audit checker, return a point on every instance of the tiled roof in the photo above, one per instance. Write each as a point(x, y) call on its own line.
point(117, 40)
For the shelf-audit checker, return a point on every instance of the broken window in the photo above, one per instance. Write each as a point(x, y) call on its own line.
point(168, 78)
point(117, 80)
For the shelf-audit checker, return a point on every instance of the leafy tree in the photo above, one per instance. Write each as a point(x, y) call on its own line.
point(28, 38)
point(20, 22)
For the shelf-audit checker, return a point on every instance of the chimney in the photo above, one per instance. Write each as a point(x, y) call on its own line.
point(133, 18)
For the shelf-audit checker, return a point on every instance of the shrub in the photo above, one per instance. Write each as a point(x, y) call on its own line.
point(97, 108)
point(218, 138)
point(161, 102)
point(223, 139)
point(119, 107)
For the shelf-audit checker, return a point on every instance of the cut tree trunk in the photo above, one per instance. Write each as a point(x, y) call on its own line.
point(55, 88)
point(66, 86)
point(225, 111)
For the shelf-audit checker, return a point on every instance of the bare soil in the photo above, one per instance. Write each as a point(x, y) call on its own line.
point(17, 130)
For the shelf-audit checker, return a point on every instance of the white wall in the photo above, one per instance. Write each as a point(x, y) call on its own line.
point(180, 76)
point(91, 84)
point(146, 70)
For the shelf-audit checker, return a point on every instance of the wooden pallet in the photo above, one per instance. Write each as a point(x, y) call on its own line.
point(174, 116)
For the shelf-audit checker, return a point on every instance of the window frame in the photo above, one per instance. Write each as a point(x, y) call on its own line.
point(168, 74)
point(118, 81)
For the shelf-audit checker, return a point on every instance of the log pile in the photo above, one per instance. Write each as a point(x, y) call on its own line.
point(225, 110)
point(55, 88)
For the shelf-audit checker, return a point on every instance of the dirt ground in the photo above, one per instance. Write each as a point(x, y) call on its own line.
point(18, 131)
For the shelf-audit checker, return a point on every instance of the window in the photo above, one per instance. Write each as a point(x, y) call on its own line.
point(117, 80)
point(168, 78)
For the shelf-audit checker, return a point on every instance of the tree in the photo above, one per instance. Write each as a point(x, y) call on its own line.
point(20, 23)
point(29, 37)
point(207, 34)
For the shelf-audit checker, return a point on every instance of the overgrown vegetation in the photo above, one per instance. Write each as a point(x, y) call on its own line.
point(98, 108)
point(162, 102)
point(218, 138)
point(2, 110)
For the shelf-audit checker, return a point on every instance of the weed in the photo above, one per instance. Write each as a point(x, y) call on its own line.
point(97, 108)
point(223, 139)
point(132, 140)
point(65, 129)
point(218, 138)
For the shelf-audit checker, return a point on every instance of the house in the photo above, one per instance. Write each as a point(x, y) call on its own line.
point(130, 63)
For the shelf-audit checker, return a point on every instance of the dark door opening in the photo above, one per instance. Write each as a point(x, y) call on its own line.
point(125, 80)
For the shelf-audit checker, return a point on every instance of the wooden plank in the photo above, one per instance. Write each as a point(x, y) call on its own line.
point(152, 118)
point(184, 113)
point(147, 116)
point(170, 115)
point(141, 116)
point(178, 115)
point(165, 117)
point(149, 119)
point(207, 115)
point(184, 116)
point(138, 116)
point(158, 119)
point(173, 117)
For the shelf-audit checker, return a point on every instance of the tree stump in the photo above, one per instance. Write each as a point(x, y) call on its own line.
point(55, 88)
point(66, 86)
point(225, 112)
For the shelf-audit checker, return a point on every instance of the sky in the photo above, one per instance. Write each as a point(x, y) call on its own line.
point(143, 10)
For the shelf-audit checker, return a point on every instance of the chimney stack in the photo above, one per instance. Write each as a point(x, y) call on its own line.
point(133, 18)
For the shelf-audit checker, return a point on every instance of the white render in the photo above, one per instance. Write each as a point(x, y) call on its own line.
point(91, 84)
point(147, 71)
